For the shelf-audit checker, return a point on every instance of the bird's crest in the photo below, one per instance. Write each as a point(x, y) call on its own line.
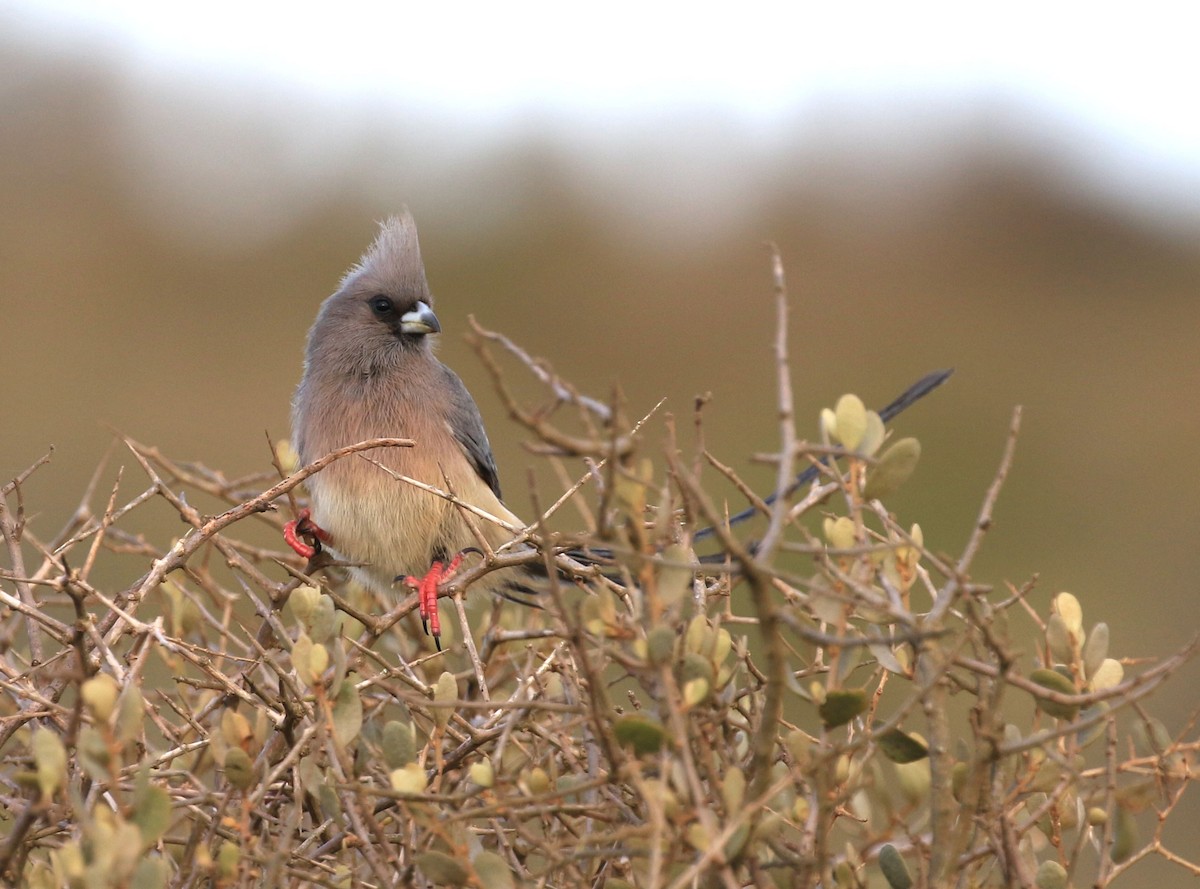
point(393, 263)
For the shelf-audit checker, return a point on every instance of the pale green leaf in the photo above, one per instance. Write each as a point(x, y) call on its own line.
point(441, 868)
point(50, 760)
point(347, 713)
point(493, 871)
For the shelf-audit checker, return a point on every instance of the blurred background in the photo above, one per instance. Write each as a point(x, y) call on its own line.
point(1017, 198)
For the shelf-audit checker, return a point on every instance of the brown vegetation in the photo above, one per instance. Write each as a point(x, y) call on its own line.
point(837, 703)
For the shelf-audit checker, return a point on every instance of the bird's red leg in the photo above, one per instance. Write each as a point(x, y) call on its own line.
point(427, 594)
point(304, 527)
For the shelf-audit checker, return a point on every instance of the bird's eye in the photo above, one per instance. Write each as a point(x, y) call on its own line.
point(381, 306)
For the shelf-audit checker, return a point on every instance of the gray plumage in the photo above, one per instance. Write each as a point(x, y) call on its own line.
point(370, 371)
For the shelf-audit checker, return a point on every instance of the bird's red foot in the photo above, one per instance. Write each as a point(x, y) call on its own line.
point(300, 531)
point(427, 594)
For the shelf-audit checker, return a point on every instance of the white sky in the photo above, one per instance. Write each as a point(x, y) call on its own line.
point(1128, 72)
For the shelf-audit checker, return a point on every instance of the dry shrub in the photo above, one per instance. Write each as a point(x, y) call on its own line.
point(834, 704)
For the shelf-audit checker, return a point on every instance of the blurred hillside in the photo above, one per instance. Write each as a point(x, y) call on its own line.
point(162, 253)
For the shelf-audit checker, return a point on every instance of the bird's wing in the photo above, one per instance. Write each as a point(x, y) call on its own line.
point(462, 414)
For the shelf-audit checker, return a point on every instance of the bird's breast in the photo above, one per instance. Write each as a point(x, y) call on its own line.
point(386, 525)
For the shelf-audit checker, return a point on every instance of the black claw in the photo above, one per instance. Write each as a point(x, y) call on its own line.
point(437, 640)
point(305, 529)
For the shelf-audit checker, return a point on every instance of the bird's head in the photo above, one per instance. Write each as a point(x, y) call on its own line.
point(383, 308)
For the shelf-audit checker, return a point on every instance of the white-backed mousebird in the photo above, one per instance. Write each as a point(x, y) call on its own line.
point(370, 372)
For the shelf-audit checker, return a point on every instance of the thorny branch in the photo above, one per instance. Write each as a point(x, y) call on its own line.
point(766, 713)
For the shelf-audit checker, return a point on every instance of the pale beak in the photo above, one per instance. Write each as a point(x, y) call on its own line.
point(420, 321)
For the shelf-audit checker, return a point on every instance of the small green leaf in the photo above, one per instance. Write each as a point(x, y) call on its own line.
point(310, 774)
point(182, 611)
point(328, 801)
point(599, 613)
point(895, 871)
point(126, 846)
point(901, 748)
point(318, 662)
point(441, 868)
point(131, 712)
point(1092, 733)
point(1050, 875)
point(828, 424)
point(959, 773)
point(493, 871)
point(696, 666)
point(736, 841)
point(347, 713)
point(152, 811)
point(1109, 673)
point(851, 416)
point(1125, 835)
point(235, 729)
point(289, 460)
point(843, 876)
point(842, 705)
point(643, 734)
point(722, 645)
point(69, 863)
point(445, 691)
point(674, 574)
point(50, 758)
point(826, 608)
point(1139, 795)
point(536, 780)
point(100, 695)
point(409, 779)
point(337, 652)
point(887, 658)
point(1150, 737)
point(399, 743)
point(482, 773)
point(840, 532)
point(914, 780)
point(896, 465)
point(660, 645)
point(239, 768)
point(1068, 606)
point(1054, 681)
point(698, 837)
point(1045, 778)
point(695, 692)
point(733, 790)
point(874, 435)
point(94, 754)
point(1095, 650)
point(349, 627)
point(309, 660)
point(1059, 639)
point(799, 748)
point(228, 856)
point(151, 873)
point(696, 636)
point(322, 620)
point(302, 601)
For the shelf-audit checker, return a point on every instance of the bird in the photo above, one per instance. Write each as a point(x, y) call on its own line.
point(370, 371)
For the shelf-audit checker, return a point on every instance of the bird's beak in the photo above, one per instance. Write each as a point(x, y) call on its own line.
point(420, 321)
